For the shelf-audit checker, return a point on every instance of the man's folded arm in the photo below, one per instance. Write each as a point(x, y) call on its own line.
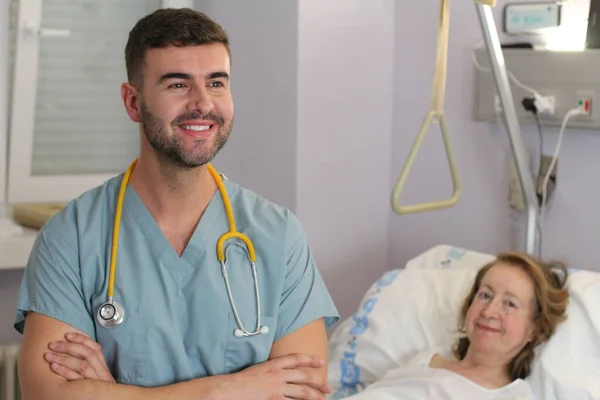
point(310, 339)
point(39, 382)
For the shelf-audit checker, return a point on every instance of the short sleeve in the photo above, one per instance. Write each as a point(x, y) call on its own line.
point(51, 284)
point(305, 297)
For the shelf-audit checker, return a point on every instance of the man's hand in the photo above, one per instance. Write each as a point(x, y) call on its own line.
point(79, 357)
point(294, 376)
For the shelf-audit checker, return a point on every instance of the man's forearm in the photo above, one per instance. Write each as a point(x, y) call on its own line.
point(88, 389)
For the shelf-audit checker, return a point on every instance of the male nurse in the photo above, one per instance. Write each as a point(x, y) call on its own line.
point(178, 336)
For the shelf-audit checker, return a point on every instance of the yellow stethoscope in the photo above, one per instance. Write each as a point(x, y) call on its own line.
point(112, 314)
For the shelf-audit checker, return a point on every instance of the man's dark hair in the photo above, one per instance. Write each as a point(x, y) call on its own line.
point(169, 27)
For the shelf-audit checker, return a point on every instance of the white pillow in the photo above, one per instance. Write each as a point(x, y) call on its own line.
point(412, 309)
point(446, 256)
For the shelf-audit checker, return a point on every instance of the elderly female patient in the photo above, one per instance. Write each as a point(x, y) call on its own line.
point(515, 304)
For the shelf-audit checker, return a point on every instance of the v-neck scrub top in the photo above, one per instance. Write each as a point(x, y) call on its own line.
point(179, 324)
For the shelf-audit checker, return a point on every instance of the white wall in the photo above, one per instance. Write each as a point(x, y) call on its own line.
point(345, 75)
point(261, 153)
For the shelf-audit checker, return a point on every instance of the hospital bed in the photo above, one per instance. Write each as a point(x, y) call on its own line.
point(415, 308)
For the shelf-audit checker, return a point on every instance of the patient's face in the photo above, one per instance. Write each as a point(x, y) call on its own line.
point(499, 321)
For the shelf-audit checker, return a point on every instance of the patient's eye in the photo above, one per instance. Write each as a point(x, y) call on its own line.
point(484, 295)
point(510, 306)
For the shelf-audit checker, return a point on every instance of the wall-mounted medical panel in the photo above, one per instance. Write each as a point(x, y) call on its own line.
point(572, 78)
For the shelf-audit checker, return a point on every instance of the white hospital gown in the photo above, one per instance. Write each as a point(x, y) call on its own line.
point(418, 381)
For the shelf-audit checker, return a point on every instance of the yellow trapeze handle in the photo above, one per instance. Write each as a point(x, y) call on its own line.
point(435, 114)
point(434, 205)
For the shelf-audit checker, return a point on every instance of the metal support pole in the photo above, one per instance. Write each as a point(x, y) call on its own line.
point(498, 66)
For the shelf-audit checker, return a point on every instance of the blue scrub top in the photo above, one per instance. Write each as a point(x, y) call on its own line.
point(179, 324)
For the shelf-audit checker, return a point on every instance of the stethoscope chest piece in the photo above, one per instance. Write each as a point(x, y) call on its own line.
point(110, 315)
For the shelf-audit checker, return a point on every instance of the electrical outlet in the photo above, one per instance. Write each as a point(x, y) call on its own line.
point(585, 103)
point(539, 187)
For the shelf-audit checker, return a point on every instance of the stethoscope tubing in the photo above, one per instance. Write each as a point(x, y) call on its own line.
point(111, 313)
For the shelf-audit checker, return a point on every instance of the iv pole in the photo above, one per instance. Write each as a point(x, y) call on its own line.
point(498, 66)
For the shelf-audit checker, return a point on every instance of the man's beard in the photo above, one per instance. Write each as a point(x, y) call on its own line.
point(172, 148)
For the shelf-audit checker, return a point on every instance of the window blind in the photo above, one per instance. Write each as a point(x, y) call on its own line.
point(81, 126)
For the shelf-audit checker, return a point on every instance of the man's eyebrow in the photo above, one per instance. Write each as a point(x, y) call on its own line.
point(187, 77)
point(216, 75)
point(174, 75)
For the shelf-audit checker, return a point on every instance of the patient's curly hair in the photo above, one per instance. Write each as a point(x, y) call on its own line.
point(551, 297)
